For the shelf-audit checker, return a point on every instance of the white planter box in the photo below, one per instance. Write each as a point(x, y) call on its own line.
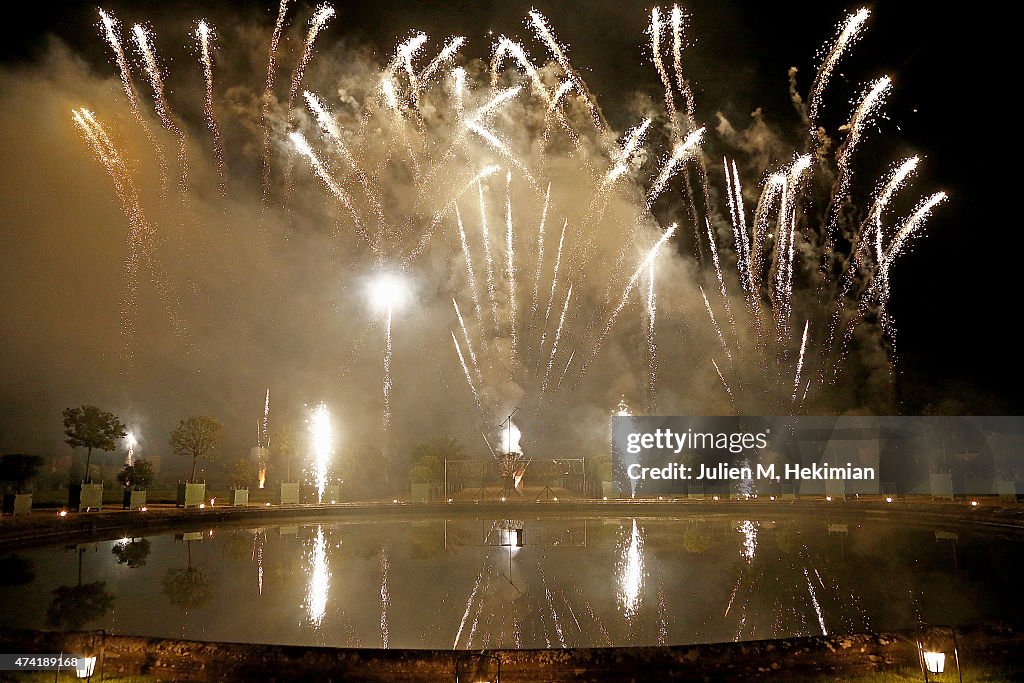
point(135, 499)
point(17, 503)
point(191, 495)
point(289, 493)
point(92, 497)
point(240, 496)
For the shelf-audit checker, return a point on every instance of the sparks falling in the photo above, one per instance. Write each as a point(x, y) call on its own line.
point(204, 34)
point(322, 445)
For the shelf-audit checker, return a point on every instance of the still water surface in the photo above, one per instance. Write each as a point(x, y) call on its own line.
point(531, 583)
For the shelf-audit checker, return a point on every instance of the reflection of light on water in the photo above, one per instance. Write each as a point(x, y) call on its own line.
point(749, 531)
point(814, 601)
point(385, 598)
point(319, 580)
point(746, 487)
point(631, 575)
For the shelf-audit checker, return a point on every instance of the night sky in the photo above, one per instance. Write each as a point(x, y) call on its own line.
point(951, 294)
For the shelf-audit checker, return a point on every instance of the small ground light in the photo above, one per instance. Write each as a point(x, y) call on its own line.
point(202, 506)
point(828, 498)
point(62, 513)
point(449, 500)
point(605, 498)
point(143, 508)
point(268, 504)
point(771, 497)
point(935, 662)
point(396, 500)
point(974, 503)
point(503, 499)
point(714, 498)
point(556, 499)
point(85, 667)
point(888, 499)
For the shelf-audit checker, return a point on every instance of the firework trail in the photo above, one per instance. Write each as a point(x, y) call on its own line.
point(848, 34)
point(446, 54)
point(800, 361)
point(387, 369)
point(333, 132)
point(112, 36)
point(465, 334)
point(540, 253)
point(554, 342)
point(141, 234)
point(320, 170)
point(773, 188)
point(543, 31)
point(652, 349)
point(144, 44)
point(677, 61)
point(554, 282)
point(866, 108)
point(268, 93)
point(203, 36)
point(904, 235)
point(459, 90)
point(625, 294)
point(316, 23)
point(491, 291)
point(681, 151)
point(265, 426)
point(470, 275)
point(739, 228)
point(896, 180)
point(572, 355)
point(659, 65)
point(714, 323)
point(510, 268)
point(785, 246)
point(634, 139)
point(469, 377)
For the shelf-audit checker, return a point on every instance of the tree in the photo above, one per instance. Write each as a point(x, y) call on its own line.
point(197, 438)
point(240, 474)
point(89, 427)
point(132, 553)
point(138, 475)
point(75, 606)
point(283, 448)
point(19, 468)
point(187, 587)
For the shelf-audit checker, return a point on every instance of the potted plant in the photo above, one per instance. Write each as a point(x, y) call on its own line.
point(239, 476)
point(420, 478)
point(18, 469)
point(90, 427)
point(135, 479)
point(282, 453)
point(198, 438)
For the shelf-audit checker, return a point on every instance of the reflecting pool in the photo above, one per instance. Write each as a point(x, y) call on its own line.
point(472, 583)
